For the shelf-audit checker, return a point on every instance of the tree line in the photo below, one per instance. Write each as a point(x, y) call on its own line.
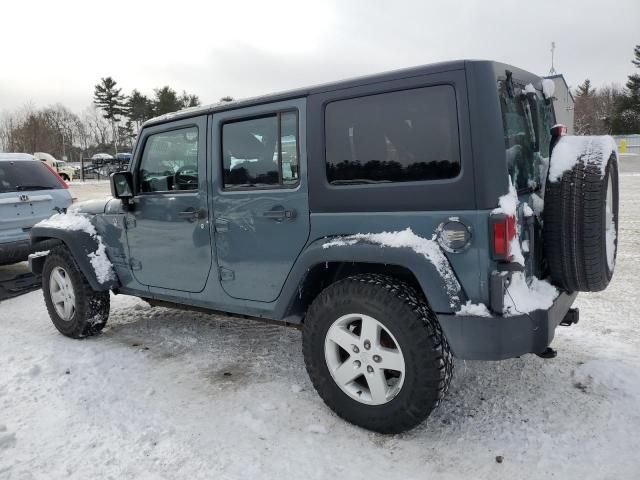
point(610, 109)
point(109, 125)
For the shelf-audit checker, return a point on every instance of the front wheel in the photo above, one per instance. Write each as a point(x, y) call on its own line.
point(376, 354)
point(76, 310)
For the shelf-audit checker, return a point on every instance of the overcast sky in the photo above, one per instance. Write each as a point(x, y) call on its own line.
point(55, 51)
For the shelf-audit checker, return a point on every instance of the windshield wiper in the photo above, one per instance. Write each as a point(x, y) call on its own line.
point(21, 188)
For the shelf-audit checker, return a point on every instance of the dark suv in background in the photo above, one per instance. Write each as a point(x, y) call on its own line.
point(401, 219)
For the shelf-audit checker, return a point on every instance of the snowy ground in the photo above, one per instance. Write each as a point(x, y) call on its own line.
point(168, 394)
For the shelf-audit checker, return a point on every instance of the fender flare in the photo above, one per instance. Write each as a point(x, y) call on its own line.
point(79, 243)
point(442, 296)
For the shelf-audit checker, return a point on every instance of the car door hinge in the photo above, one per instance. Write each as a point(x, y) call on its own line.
point(226, 274)
point(129, 222)
point(135, 264)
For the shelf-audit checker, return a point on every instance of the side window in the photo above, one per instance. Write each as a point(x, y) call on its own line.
point(170, 161)
point(402, 136)
point(261, 152)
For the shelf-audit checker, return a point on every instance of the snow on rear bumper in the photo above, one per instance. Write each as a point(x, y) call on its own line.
point(499, 337)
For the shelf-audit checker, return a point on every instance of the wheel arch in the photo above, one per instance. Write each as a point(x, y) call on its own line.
point(80, 244)
point(320, 266)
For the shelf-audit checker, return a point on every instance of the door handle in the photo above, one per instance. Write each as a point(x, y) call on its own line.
point(278, 213)
point(191, 214)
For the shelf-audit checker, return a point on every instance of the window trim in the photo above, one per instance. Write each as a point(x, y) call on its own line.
point(137, 177)
point(330, 185)
point(280, 186)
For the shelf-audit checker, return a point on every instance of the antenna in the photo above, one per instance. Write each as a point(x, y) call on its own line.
point(553, 50)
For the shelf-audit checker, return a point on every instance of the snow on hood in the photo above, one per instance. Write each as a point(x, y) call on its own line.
point(75, 221)
point(572, 150)
point(428, 248)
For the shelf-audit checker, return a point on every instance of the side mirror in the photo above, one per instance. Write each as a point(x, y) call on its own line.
point(122, 186)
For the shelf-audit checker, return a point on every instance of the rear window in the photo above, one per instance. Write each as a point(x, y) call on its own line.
point(26, 175)
point(527, 134)
point(403, 136)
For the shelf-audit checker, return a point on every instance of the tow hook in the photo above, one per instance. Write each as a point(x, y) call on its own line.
point(572, 316)
point(548, 353)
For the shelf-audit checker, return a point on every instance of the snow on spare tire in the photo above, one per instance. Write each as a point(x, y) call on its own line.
point(581, 213)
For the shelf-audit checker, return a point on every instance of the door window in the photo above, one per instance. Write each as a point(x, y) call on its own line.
point(170, 161)
point(261, 152)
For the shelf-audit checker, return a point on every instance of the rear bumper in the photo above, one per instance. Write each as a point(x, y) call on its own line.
point(498, 338)
point(13, 252)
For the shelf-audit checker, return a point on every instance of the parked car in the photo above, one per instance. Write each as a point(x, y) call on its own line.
point(100, 159)
point(401, 219)
point(123, 159)
point(30, 191)
point(66, 171)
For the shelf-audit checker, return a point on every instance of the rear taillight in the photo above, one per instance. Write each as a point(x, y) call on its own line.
point(62, 182)
point(502, 229)
point(558, 130)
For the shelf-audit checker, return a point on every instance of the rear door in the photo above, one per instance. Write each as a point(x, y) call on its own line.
point(261, 202)
point(527, 120)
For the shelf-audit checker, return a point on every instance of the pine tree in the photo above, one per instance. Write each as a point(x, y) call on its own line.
point(636, 53)
point(140, 108)
point(627, 118)
point(166, 100)
point(110, 100)
point(585, 116)
point(585, 89)
point(126, 134)
point(189, 100)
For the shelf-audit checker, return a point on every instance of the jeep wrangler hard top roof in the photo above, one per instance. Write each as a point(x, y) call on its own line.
point(326, 87)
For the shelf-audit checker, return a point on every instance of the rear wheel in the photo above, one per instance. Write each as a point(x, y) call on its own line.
point(376, 354)
point(75, 309)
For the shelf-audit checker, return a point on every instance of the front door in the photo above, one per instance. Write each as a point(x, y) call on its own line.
point(261, 205)
point(168, 227)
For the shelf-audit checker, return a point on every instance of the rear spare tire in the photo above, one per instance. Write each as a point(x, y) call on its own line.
point(581, 215)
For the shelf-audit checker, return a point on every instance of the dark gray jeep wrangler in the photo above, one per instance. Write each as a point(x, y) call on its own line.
point(400, 219)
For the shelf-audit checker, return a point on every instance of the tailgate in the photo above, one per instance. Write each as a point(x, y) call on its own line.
point(527, 120)
point(23, 210)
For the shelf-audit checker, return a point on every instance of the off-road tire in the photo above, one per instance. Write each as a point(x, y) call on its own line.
point(91, 307)
point(428, 360)
point(575, 227)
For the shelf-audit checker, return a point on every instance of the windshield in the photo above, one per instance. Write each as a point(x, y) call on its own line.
point(26, 175)
point(527, 120)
